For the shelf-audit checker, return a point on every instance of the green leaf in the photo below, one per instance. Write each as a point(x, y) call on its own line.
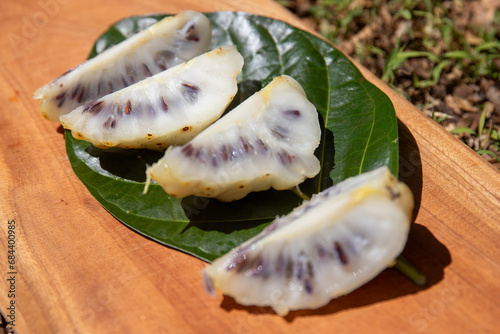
point(438, 69)
point(458, 55)
point(404, 55)
point(488, 152)
point(482, 120)
point(463, 129)
point(404, 13)
point(494, 135)
point(488, 46)
point(424, 83)
point(359, 134)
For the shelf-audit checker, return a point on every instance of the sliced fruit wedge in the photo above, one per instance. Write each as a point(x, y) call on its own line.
point(172, 41)
point(168, 108)
point(325, 248)
point(266, 141)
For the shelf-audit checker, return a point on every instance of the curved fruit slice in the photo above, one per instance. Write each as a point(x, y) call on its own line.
point(325, 248)
point(170, 42)
point(168, 108)
point(266, 141)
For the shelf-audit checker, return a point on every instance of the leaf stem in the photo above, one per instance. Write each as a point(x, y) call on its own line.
point(148, 182)
point(412, 273)
point(299, 193)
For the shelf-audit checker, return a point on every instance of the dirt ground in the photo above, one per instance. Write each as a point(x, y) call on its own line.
point(452, 89)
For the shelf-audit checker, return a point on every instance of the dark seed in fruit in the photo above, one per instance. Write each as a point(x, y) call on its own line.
point(289, 269)
point(225, 155)
point(339, 250)
point(393, 193)
point(279, 132)
point(94, 107)
point(130, 75)
point(163, 104)
point(110, 123)
point(110, 87)
point(147, 72)
point(293, 114)
point(261, 147)
point(75, 91)
point(308, 286)
point(60, 96)
point(80, 97)
point(164, 58)
point(310, 269)
point(284, 158)
point(128, 107)
point(300, 270)
point(214, 160)
point(190, 35)
point(244, 145)
point(190, 92)
point(187, 150)
point(201, 155)
point(320, 251)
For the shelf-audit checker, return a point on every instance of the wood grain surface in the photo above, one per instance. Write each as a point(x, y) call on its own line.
point(79, 270)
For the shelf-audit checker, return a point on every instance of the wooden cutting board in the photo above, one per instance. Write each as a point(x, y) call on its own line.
point(79, 270)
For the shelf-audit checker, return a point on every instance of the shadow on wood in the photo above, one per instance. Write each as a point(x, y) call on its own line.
point(410, 164)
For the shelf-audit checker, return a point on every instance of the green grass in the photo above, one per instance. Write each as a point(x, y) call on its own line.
point(430, 32)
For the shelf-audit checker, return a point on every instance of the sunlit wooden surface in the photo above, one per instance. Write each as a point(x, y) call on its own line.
point(79, 270)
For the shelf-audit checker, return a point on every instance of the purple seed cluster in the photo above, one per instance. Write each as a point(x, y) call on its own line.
point(90, 91)
point(299, 269)
point(220, 154)
point(244, 147)
point(115, 112)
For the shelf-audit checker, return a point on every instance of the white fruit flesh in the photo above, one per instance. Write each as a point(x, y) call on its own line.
point(325, 248)
point(172, 41)
point(266, 141)
point(168, 108)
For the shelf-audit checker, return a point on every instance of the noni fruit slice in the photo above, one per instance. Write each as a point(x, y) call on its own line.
point(168, 108)
point(266, 141)
point(172, 41)
point(327, 247)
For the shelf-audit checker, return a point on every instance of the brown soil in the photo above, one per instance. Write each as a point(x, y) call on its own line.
point(464, 89)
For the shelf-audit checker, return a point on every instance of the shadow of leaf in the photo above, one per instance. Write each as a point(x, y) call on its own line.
point(129, 164)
